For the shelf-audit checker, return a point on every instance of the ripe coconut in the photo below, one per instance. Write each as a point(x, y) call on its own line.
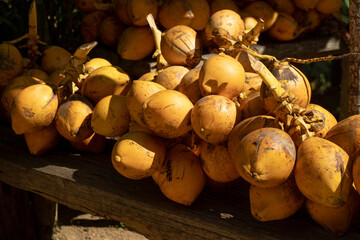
point(285, 28)
point(167, 113)
point(53, 58)
point(306, 5)
point(194, 14)
point(136, 43)
point(11, 63)
point(217, 163)
point(110, 30)
point(250, 107)
point(249, 21)
point(222, 75)
point(217, 5)
point(73, 118)
point(322, 172)
point(33, 109)
point(42, 141)
point(356, 172)
point(283, 6)
point(105, 81)
point(138, 93)
point(111, 116)
point(336, 220)
point(295, 84)
point(90, 25)
point(134, 12)
point(95, 144)
point(311, 20)
point(36, 73)
point(13, 88)
point(261, 9)
point(245, 127)
point(225, 23)
point(171, 76)
point(87, 6)
point(189, 85)
point(180, 45)
point(275, 203)
point(329, 6)
point(213, 117)
point(322, 119)
point(265, 157)
point(149, 76)
point(182, 178)
point(346, 134)
point(137, 155)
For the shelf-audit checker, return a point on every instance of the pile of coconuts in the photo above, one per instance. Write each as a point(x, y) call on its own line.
point(192, 122)
point(122, 25)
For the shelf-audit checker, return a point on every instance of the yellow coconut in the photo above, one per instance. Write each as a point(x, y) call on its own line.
point(285, 6)
point(182, 178)
point(275, 203)
point(322, 172)
point(105, 81)
point(95, 63)
point(225, 23)
point(110, 30)
point(134, 12)
point(189, 85)
point(217, 5)
point(11, 63)
point(36, 73)
point(73, 118)
point(322, 119)
point(33, 109)
point(138, 93)
point(167, 113)
point(14, 87)
point(251, 106)
point(42, 141)
point(261, 9)
point(213, 117)
point(171, 76)
point(285, 28)
point(217, 163)
point(295, 84)
point(136, 43)
point(245, 127)
point(306, 5)
point(265, 157)
point(194, 14)
point(137, 155)
point(336, 220)
point(53, 58)
point(346, 135)
point(149, 76)
point(222, 75)
point(90, 25)
point(356, 172)
point(180, 45)
point(110, 116)
point(95, 144)
point(328, 6)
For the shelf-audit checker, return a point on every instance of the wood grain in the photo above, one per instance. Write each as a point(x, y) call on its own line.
point(89, 183)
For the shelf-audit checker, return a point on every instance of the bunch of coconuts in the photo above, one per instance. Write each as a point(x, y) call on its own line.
point(122, 25)
point(195, 120)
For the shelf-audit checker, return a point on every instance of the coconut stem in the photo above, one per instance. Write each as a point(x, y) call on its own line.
point(251, 36)
point(160, 60)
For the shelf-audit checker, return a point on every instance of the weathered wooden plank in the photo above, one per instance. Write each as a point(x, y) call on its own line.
point(88, 182)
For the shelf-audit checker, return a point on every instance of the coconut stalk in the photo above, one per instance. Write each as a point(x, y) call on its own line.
point(33, 52)
point(73, 71)
point(161, 63)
